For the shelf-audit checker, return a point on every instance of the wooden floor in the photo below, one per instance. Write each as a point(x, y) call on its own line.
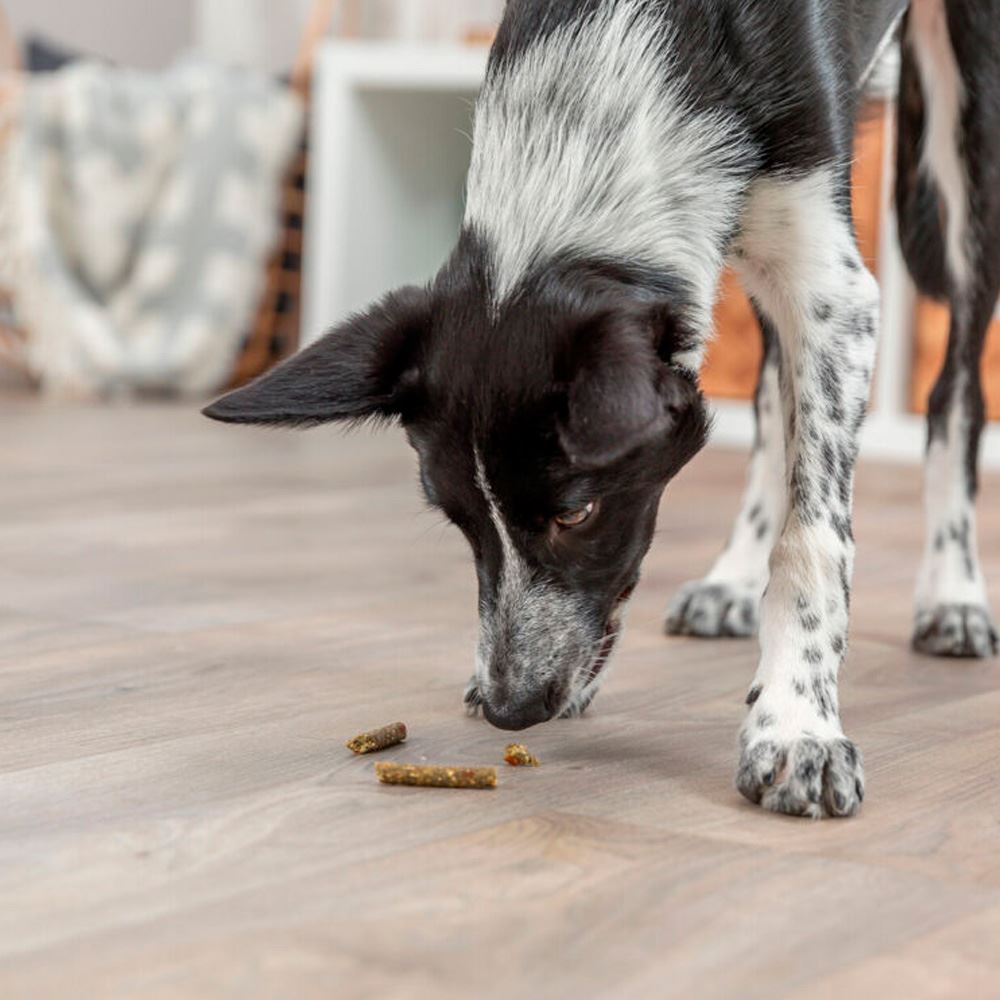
point(192, 620)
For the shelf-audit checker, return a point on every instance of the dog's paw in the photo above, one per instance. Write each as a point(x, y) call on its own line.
point(713, 610)
point(961, 630)
point(804, 776)
point(472, 699)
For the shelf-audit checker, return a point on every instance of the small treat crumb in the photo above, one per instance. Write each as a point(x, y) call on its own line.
point(378, 739)
point(517, 755)
point(427, 776)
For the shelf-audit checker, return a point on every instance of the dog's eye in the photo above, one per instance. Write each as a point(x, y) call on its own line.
point(574, 518)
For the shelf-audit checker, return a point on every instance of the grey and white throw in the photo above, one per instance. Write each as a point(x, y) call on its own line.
point(138, 211)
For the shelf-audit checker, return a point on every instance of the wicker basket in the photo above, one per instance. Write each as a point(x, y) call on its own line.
point(275, 332)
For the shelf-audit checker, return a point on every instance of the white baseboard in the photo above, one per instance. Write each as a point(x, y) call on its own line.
point(894, 437)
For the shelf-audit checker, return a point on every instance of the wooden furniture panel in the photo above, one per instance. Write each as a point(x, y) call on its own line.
point(733, 358)
point(928, 356)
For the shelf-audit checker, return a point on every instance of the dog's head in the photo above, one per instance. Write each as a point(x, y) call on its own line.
point(546, 431)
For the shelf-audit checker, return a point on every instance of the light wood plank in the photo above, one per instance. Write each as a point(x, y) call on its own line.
point(194, 618)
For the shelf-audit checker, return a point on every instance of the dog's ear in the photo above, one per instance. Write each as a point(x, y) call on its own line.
point(622, 394)
point(362, 368)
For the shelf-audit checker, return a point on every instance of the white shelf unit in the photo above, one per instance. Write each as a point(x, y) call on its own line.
point(391, 126)
point(390, 131)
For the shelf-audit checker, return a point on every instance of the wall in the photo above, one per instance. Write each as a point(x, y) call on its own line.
point(150, 35)
point(258, 33)
point(425, 19)
point(134, 32)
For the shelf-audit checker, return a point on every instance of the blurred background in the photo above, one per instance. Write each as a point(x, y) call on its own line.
point(257, 33)
point(156, 169)
point(190, 191)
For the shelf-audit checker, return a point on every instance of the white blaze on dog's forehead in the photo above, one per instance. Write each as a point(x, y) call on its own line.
point(511, 585)
point(542, 628)
point(513, 572)
point(511, 603)
point(586, 142)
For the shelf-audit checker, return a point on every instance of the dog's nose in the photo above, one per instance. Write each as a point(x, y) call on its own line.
point(538, 707)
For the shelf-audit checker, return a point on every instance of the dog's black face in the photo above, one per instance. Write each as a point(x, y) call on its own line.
point(546, 431)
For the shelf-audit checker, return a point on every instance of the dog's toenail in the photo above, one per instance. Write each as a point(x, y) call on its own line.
point(768, 778)
point(839, 801)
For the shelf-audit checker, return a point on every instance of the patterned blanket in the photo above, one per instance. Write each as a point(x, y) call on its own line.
point(137, 212)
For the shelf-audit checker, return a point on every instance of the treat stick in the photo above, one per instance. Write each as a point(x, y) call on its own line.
point(378, 739)
point(390, 773)
point(518, 755)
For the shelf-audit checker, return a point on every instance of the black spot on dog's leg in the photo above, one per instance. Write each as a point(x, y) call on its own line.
point(822, 310)
point(822, 698)
point(845, 585)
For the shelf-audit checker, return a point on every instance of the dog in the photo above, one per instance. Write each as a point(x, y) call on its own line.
point(623, 152)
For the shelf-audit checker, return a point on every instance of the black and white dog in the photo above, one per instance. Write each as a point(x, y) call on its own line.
point(547, 377)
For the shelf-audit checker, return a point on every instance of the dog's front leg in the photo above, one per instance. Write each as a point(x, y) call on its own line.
point(726, 601)
point(799, 258)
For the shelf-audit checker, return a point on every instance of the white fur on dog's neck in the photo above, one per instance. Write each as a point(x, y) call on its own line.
point(586, 144)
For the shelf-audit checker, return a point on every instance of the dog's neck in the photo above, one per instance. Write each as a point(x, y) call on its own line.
point(559, 295)
point(586, 146)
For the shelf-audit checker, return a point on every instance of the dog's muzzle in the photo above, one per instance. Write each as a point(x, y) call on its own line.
point(518, 706)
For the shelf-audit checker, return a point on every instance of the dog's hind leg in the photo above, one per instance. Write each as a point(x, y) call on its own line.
point(948, 191)
point(726, 601)
point(799, 258)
